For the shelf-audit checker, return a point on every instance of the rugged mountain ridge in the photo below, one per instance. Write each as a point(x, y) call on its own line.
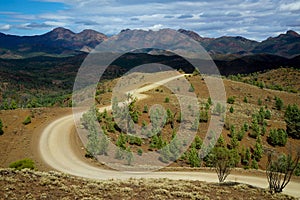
point(64, 42)
point(60, 42)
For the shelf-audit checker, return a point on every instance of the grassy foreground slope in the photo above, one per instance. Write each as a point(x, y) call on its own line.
point(53, 185)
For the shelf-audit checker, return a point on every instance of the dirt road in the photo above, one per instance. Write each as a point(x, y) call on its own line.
point(57, 151)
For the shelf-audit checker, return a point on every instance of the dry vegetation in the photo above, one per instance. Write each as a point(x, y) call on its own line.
point(28, 184)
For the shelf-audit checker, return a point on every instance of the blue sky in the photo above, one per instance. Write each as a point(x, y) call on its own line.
point(254, 19)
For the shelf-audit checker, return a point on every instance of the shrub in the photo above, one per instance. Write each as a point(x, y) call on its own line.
point(280, 169)
point(121, 141)
point(197, 142)
point(241, 134)
point(145, 109)
point(167, 100)
point(165, 154)
point(234, 143)
point(223, 160)
point(135, 141)
point(209, 101)
point(292, 119)
point(297, 170)
point(27, 120)
point(277, 137)
point(245, 100)
point(258, 149)
point(259, 102)
point(193, 157)
point(231, 110)
point(255, 129)
point(203, 116)
point(140, 152)
point(278, 103)
point(254, 164)
point(219, 109)
point(268, 114)
point(23, 164)
point(191, 89)
point(231, 100)
point(246, 157)
point(246, 126)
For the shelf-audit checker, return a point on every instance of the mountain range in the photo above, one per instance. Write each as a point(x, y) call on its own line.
point(61, 42)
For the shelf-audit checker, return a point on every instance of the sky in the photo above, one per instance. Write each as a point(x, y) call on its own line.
point(253, 19)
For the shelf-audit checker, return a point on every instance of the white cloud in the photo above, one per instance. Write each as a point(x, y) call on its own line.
point(5, 27)
point(55, 23)
point(258, 19)
point(295, 6)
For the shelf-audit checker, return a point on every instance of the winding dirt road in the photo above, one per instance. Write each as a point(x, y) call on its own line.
point(57, 151)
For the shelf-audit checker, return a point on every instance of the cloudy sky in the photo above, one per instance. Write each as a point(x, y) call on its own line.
point(254, 19)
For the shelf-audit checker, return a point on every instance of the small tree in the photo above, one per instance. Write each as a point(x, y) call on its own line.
point(292, 119)
point(258, 149)
point(255, 129)
point(280, 170)
point(278, 103)
point(167, 100)
point(209, 101)
point(203, 116)
point(231, 110)
point(145, 109)
point(193, 157)
point(223, 161)
point(230, 100)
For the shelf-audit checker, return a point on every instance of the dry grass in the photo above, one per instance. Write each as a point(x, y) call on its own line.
point(54, 185)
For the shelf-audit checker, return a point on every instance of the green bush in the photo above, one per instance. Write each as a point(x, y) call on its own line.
point(277, 137)
point(258, 149)
point(203, 116)
point(135, 141)
point(278, 103)
point(191, 89)
point(231, 110)
point(255, 128)
point(209, 101)
point(268, 114)
point(231, 100)
point(254, 164)
point(245, 100)
point(241, 134)
point(140, 152)
point(193, 157)
point(27, 120)
point(292, 119)
point(297, 170)
point(145, 109)
point(197, 142)
point(167, 100)
point(23, 164)
point(259, 102)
